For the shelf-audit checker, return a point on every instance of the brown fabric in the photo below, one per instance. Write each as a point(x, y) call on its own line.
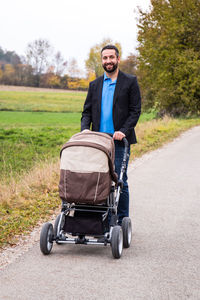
point(84, 188)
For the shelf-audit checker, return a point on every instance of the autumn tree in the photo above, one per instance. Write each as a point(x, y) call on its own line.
point(38, 54)
point(129, 64)
point(72, 68)
point(169, 56)
point(93, 63)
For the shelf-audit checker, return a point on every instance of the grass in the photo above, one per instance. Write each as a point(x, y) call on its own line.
point(155, 133)
point(41, 101)
point(18, 119)
point(22, 148)
point(26, 138)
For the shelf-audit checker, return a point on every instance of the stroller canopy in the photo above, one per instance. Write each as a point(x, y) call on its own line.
point(87, 168)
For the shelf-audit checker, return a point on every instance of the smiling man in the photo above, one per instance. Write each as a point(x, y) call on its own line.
point(113, 105)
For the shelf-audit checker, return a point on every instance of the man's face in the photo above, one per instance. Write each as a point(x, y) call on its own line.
point(109, 60)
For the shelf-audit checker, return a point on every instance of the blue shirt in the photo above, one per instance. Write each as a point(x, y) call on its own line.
point(106, 122)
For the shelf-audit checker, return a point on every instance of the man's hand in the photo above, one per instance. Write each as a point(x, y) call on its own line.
point(118, 135)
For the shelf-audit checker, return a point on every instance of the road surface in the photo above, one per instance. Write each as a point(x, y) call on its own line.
point(163, 261)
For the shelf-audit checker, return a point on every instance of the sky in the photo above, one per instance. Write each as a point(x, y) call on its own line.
point(72, 27)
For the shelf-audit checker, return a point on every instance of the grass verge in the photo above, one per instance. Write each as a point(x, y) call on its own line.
point(35, 197)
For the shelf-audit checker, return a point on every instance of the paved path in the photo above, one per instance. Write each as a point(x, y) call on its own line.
point(164, 259)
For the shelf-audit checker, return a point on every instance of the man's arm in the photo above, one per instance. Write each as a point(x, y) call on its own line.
point(87, 111)
point(134, 108)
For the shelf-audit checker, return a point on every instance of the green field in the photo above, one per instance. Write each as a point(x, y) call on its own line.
point(34, 126)
point(42, 101)
point(29, 137)
point(15, 119)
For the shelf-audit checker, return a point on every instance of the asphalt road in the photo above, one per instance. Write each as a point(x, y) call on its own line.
point(163, 261)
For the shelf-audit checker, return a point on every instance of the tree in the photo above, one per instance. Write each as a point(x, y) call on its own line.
point(73, 68)
point(9, 57)
point(93, 63)
point(59, 63)
point(38, 55)
point(129, 64)
point(169, 56)
point(8, 74)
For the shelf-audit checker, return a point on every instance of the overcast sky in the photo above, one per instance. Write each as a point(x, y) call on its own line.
point(71, 26)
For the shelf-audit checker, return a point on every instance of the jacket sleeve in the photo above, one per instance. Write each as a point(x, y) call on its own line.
point(86, 118)
point(134, 108)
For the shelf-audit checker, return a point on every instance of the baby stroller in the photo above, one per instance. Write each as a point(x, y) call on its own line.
point(89, 189)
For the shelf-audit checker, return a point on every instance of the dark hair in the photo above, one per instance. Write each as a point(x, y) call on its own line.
point(111, 47)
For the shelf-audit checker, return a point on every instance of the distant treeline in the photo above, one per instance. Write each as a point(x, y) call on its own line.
point(39, 68)
point(14, 70)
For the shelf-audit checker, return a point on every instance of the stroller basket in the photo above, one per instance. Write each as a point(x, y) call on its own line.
point(92, 220)
point(87, 168)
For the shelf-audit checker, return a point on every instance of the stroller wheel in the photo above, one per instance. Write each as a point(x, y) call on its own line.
point(117, 241)
point(46, 238)
point(55, 229)
point(127, 232)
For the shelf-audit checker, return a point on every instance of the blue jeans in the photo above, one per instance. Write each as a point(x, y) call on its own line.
point(123, 205)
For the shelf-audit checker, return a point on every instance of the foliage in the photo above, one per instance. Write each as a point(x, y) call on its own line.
point(50, 79)
point(169, 56)
point(129, 64)
point(93, 63)
point(9, 57)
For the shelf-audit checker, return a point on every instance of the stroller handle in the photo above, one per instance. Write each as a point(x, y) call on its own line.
point(125, 156)
point(124, 140)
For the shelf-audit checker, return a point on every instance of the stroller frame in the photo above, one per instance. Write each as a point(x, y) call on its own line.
point(117, 236)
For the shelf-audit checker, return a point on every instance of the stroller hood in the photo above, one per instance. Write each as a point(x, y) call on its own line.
point(87, 168)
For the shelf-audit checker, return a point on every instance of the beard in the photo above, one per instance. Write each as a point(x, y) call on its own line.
point(111, 70)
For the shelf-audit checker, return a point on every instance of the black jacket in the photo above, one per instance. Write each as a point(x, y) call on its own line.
point(126, 105)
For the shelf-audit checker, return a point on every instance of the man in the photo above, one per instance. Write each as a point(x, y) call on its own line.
point(113, 105)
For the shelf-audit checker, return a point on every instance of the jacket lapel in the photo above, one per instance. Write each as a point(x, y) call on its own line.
point(99, 92)
point(118, 87)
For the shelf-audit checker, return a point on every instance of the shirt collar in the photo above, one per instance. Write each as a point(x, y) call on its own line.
point(105, 77)
point(108, 78)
